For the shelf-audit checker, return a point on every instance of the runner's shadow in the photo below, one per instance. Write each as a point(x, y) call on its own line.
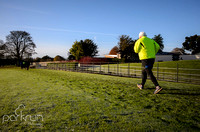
point(176, 91)
point(149, 88)
point(164, 89)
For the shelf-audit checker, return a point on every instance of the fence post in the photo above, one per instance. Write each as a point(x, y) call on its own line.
point(164, 75)
point(157, 71)
point(87, 64)
point(93, 67)
point(177, 73)
point(100, 68)
point(76, 67)
point(128, 68)
point(108, 68)
point(117, 68)
point(135, 72)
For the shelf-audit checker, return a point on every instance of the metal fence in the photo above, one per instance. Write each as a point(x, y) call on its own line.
point(175, 74)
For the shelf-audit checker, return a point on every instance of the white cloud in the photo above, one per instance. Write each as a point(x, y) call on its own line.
point(64, 30)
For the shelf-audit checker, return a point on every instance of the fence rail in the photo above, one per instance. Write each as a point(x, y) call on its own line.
point(176, 74)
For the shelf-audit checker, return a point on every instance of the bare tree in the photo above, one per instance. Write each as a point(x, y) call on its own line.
point(19, 44)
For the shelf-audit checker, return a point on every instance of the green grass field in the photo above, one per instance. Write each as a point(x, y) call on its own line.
point(190, 64)
point(69, 101)
point(184, 64)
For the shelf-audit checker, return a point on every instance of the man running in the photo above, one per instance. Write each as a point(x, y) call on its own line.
point(147, 49)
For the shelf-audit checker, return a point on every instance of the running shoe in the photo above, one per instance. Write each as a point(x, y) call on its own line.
point(140, 86)
point(158, 89)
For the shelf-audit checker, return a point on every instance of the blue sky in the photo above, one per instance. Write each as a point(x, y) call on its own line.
point(56, 24)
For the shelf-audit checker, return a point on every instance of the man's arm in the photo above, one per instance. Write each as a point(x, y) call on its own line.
point(157, 47)
point(137, 46)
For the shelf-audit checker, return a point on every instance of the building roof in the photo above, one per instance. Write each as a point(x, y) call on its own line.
point(111, 56)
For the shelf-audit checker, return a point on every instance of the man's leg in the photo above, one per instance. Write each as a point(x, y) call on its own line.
point(152, 77)
point(144, 77)
point(148, 68)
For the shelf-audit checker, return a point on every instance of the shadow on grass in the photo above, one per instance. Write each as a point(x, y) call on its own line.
point(178, 93)
point(175, 91)
point(164, 89)
point(149, 88)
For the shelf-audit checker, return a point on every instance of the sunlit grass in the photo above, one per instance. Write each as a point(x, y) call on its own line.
point(70, 101)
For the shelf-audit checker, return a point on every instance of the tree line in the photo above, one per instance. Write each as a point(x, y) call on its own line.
point(19, 45)
point(125, 46)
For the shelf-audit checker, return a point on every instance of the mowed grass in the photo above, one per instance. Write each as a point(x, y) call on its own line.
point(189, 64)
point(70, 101)
point(183, 64)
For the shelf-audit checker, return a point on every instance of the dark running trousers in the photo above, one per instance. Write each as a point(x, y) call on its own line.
point(147, 70)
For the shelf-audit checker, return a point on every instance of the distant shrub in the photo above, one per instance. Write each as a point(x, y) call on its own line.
point(68, 65)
